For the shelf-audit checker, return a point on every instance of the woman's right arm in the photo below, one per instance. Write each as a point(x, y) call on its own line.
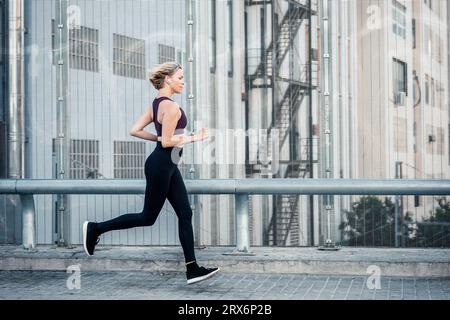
point(138, 128)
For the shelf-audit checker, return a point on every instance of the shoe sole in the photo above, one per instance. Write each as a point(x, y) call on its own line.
point(85, 225)
point(195, 280)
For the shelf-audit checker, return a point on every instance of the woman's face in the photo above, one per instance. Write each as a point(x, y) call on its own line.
point(176, 81)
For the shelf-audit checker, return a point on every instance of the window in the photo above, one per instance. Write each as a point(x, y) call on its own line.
point(212, 38)
point(399, 19)
point(165, 53)
point(427, 89)
point(433, 91)
point(84, 159)
point(440, 91)
point(435, 140)
point(440, 140)
point(83, 48)
point(416, 89)
point(414, 33)
point(428, 3)
point(128, 57)
point(314, 54)
point(129, 159)
point(400, 77)
point(431, 138)
point(54, 62)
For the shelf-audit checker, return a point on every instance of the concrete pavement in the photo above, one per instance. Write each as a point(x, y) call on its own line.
point(136, 285)
point(157, 273)
point(307, 260)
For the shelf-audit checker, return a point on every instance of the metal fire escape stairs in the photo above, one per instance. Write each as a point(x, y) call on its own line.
point(284, 222)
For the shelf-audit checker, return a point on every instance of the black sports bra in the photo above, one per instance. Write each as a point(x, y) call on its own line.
point(182, 122)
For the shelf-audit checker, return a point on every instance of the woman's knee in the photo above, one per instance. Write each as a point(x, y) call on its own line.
point(186, 215)
point(147, 219)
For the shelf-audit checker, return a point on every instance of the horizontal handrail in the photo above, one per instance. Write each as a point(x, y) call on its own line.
point(241, 188)
point(234, 186)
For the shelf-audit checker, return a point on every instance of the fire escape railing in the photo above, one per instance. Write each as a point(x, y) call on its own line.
point(284, 219)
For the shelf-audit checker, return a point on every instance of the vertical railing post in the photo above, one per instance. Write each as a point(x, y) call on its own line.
point(242, 230)
point(398, 175)
point(28, 221)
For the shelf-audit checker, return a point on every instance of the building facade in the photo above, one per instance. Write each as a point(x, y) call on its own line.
point(288, 88)
point(402, 93)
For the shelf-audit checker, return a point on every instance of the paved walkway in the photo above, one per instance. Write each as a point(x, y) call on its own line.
point(224, 286)
point(157, 273)
point(303, 260)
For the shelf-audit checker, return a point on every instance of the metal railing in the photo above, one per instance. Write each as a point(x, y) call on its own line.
point(241, 188)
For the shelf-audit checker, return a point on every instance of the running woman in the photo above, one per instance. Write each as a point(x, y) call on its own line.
point(164, 180)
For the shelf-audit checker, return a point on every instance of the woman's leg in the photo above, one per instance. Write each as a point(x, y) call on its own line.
point(178, 198)
point(158, 181)
point(158, 171)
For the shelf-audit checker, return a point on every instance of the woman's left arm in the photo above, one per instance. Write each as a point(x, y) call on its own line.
point(138, 128)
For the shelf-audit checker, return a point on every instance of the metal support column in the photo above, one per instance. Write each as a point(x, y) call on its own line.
point(327, 104)
point(398, 175)
point(16, 114)
point(28, 221)
point(191, 78)
point(16, 90)
point(62, 139)
point(310, 123)
point(242, 230)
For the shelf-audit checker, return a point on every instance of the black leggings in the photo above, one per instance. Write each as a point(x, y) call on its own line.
point(164, 180)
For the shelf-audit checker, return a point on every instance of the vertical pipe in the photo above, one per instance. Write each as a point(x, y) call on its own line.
point(191, 89)
point(190, 53)
point(311, 168)
point(274, 104)
point(62, 139)
point(397, 205)
point(242, 231)
point(3, 88)
point(247, 81)
point(327, 103)
point(3, 72)
point(16, 114)
point(262, 39)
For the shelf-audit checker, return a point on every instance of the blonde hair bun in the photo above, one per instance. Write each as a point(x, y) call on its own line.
point(160, 71)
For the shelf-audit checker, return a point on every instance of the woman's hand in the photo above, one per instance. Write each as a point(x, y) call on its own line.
point(138, 128)
point(202, 134)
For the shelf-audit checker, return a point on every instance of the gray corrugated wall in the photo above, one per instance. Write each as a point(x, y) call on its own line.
point(4, 238)
point(101, 107)
point(10, 220)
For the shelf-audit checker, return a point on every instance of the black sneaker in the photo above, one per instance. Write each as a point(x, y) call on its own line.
point(90, 238)
point(199, 274)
